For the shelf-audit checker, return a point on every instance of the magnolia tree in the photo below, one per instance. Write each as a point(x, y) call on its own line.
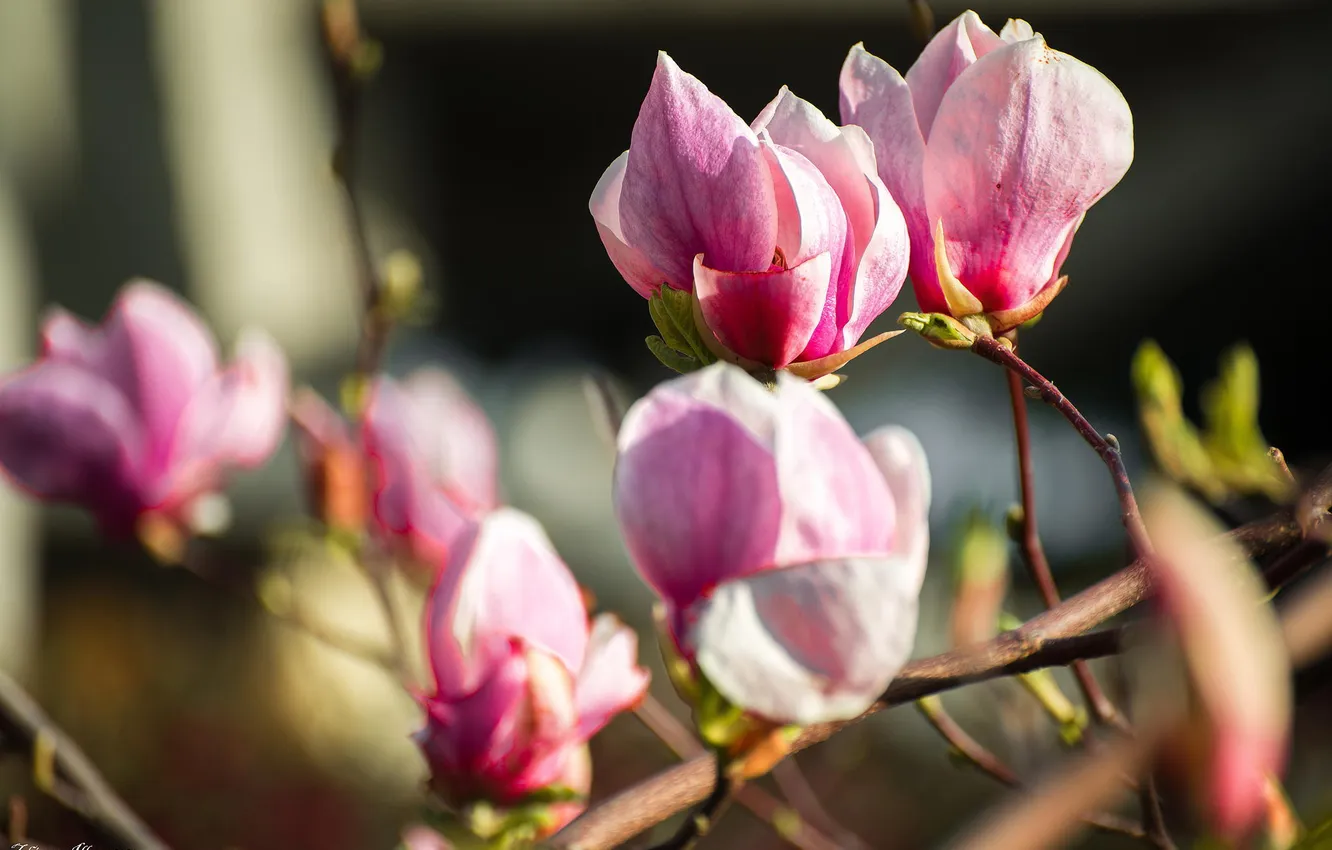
point(788, 553)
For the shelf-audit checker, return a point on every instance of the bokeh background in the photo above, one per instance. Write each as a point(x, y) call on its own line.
point(188, 141)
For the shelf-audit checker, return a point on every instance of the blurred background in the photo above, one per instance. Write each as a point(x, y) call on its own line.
point(188, 141)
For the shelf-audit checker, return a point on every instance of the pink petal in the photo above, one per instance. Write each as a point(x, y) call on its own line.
point(237, 418)
point(901, 460)
point(811, 222)
point(154, 346)
point(883, 264)
point(875, 97)
point(1233, 645)
point(952, 50)
point(419, 837)
point(631, 263)
point(65, 336)
point(768, 317)
point(509, 737)
point(68, 434)
point(834, 501)
point(695, 183)
point(1017, 30)
point(503, 581)
point(696, 484)
point(241, 417)
point(407, 503)
point(453, 438)
point(811, 643)
point(1057, 135)
point(877, 230)
point(611, 680)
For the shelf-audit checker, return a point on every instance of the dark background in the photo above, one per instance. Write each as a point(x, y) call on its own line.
point(482, 139)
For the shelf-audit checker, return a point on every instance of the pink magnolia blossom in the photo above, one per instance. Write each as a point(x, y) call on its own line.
point(434, 461)
point(995, 146)
point(788, 553)
point(783, 229)
point(136, 417)
point(1211, 595)
point(521, 682)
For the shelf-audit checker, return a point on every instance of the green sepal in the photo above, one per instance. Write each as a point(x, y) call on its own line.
point(669, 357)
point(680, 346)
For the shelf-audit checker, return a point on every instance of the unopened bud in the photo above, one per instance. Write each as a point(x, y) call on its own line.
point(401, 277)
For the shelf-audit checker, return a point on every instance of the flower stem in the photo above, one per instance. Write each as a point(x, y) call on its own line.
point(1107, 448)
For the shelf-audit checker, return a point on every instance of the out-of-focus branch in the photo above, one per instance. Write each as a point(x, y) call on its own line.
point(791, 825)
point(62, 769)
point(353, 58)
point(1054, 638)
point(700, 821)
point(805, 800)
point(987, 762)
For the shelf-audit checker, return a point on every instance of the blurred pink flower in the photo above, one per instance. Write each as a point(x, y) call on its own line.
point(434, 461)
point(783, 229)
point(332, 463)
point(789, 554)
point(521, 682)
point(1232, 642)
point(995, 146)
point(135, 417)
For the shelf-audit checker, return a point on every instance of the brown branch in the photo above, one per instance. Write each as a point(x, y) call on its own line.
point(931, 708)
point(23, 723)
point(699, 822)
point(798, 832)
point(1054, 638)
point(1033, 553)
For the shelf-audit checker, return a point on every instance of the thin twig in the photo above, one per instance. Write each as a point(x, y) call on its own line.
point(932, 709)
point(372, 652)
point(1002, 353)
point(347, 45)
point(987, 762)
point(1053, 638)
point(805, 800)
point(798, 831)
point(23, 721)
point(1033, 553)
point(1153, 820)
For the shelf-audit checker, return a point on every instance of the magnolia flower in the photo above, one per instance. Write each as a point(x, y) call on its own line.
point(995, 146)
point(1212, 597)
point(788, 553)
point(521, 683)
point(783, 230)
point(135, 418)
point(434, 461)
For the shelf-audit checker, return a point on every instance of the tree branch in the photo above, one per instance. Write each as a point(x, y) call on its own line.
point(1053, 638)
point(766, 807)
point(1033, 553)
point(23, 723)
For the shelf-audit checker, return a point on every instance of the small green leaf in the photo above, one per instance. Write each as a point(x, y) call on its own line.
point(672, 311)
point(669, 357)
